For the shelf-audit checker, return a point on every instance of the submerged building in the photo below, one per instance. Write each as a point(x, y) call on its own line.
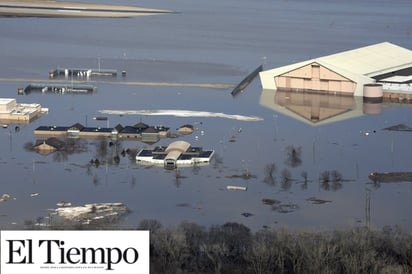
point(13, 112)
point(59, 88)
point(345, 73)
point(140, 131)
point(49, 145)
point(179, 153)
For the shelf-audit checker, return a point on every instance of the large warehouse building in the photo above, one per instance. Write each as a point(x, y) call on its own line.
point(344, 73)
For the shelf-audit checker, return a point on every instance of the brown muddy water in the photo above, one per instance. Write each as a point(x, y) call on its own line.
point(298, 175)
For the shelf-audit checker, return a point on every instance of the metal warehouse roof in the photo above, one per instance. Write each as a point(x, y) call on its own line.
point(358, 65)
point(372, 60)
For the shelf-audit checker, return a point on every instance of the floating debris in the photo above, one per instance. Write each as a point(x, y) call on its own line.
point(183, 205)
point(317, 201)
point(93, 213)
point(285, 208)
point(270, 201)
point(34, 194)
point(245, 176)
point(236, 188)
point(4, 197)
point(247, 214)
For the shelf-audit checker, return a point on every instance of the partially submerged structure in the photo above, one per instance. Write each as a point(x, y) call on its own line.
point(345, 73)
point(82, 72)
point(49, 145)
point(179, 153)
point(246, 81)
point(186, 129)
point(59, 88)
point(140, 131)
point(13, 112)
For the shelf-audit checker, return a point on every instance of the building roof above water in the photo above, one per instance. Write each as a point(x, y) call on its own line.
point(96, 129)
point(398, 79)
point(4, 101)
point(362, 65)
point(52, 128)
point(181, 146)
point(372, 60)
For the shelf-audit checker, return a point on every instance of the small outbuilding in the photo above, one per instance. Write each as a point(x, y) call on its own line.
point(186, 129)
point(49, 145)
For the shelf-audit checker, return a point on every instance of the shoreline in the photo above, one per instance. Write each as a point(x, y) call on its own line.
point(48, 8)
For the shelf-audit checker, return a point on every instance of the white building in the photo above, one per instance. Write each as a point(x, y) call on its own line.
point(179, 153)
point(13, 112)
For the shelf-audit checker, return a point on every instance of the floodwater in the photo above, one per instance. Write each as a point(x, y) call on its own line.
point(209, 42)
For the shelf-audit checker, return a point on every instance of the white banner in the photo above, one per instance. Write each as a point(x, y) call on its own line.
point(75, 252)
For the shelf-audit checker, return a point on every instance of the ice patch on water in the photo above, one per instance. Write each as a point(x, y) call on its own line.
point(183, 113)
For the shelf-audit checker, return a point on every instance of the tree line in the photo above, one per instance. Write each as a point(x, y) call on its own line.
point(233, 248)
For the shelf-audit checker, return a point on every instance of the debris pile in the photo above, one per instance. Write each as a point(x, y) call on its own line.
point(4, 197)
point(92, 213)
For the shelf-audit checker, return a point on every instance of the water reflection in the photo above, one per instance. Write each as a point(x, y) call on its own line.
point(315, 108)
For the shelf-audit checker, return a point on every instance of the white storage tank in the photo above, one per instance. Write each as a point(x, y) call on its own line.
point(373, 93)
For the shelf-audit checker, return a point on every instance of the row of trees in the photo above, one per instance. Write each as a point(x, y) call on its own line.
point(233, 248)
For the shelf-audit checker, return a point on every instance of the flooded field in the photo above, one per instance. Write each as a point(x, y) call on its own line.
point(290, 172)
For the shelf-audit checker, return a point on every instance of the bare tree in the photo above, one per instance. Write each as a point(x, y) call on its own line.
point(60, 156)
point(336, 176)
point(286, 179)
point(293, 156)
point(331, 180)
point(261, 253)
point(150, 224)
point(304, 175)
point(270, 169)
point(216, 253)
point(324, 177)
point(101, 148)
point(170, 247)
point(29, 146)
